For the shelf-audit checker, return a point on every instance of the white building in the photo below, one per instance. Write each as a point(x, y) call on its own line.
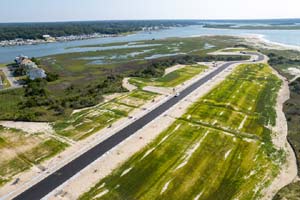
point(35, 73)
point(32, 70)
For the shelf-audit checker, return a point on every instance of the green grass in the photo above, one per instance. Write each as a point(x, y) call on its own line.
point(2, 65)
point(10, 103)
point(172, 79)
point(234, 50)
point(205, 154)
point(78, 66)
point(5, 82)
point(205, 170)
point(20, 151)
point(89, 121)
point(44, 151)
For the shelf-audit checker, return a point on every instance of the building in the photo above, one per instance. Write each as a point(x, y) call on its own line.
point(48, 38)
point(32, 70)
point(20, 58)
point(28, 64)
point(35, 73)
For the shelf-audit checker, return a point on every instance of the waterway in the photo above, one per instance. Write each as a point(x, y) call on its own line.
point(7, 54)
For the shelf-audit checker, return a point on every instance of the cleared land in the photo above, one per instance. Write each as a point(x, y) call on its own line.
point(20, 151)
point(87, 122)
point(172, 79)
point(220, 149)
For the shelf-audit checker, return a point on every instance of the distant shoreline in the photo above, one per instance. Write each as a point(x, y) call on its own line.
point(22, 42)
point(262, 40)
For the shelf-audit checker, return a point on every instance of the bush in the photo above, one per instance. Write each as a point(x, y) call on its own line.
point(51, 77)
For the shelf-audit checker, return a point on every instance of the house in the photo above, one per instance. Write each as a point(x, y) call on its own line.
point(20, 58)
point(48, 38)
point(28, 64)
point(31, 69)
point(35, 73)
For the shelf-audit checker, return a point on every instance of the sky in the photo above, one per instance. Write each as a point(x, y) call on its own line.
point(83, 10)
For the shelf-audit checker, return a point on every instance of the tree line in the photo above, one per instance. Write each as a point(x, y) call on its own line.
point(12, 31)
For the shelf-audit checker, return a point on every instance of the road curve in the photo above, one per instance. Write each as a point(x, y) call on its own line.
point(63, 174)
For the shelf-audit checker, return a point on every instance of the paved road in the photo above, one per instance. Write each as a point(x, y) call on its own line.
point(13, 83)
point(54, 180)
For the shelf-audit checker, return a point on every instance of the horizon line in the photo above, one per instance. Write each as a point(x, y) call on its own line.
point(116, 20)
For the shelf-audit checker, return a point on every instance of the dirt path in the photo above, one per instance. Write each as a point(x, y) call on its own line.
point(127, 85)
point(288, 172)
point(174, 68)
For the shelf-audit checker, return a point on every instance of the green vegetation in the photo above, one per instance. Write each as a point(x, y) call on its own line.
point(4, 79)
point(282, 60)
point(172, 79)
point(291, 109)
point(20, 151)
point(234, 49)
point(10, 31)
point(88, 121)
point(79, 80)
point(290, 192)
point(212, 152)
point(10, 101)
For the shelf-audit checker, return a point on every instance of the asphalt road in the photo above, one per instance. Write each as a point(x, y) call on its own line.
point(57, 178)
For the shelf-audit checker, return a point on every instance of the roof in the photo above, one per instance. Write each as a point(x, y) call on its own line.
point(35, 73)
point(28, 64)
point(26, 61)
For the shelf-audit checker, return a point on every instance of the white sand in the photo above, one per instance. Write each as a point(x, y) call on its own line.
point(295, 72)
point(288, 172)
point(198, 196)
point(243, 122)
point(165, 187)
point(191, 151)
point(127, 85)
point(260, 41)
point(126, 171)
point(101, 194)
point(227, 154)
point(29, 127)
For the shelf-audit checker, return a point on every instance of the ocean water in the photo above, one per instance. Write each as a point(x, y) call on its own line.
point(7, 54)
